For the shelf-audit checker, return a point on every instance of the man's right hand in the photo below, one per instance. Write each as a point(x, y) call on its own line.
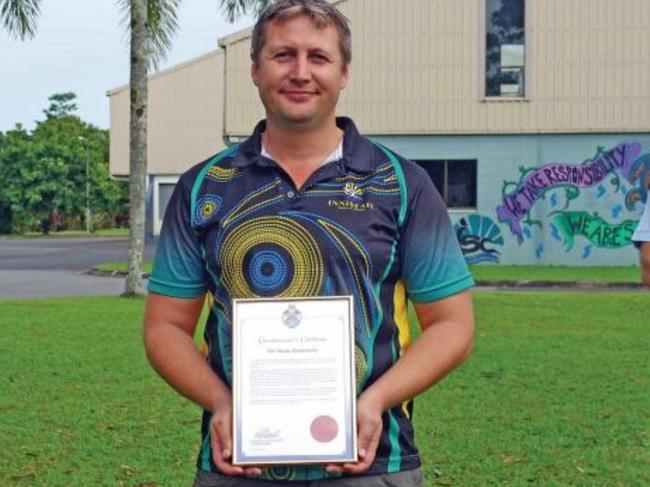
point(221, 440)
point(169, 327)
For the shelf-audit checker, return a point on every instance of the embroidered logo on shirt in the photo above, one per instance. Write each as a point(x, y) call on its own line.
point(353, 192)
point(353, 199)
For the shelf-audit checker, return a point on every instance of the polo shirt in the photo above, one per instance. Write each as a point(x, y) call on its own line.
point(642, 232)
point(370, 225)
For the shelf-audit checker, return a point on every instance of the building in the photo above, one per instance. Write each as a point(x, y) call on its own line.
point(531, 116)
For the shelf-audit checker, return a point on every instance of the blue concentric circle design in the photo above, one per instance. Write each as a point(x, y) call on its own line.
point(268, 269)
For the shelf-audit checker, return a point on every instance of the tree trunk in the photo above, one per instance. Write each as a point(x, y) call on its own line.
point(138, 145)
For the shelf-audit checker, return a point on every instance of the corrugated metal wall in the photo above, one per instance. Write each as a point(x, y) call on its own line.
point(243, 106)
point(418, 68)
point(185, 117)
point(119, 133)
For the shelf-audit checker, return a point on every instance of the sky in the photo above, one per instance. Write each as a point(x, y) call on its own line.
point(81, 46)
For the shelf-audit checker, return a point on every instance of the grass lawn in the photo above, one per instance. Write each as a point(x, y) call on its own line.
point(556, 393)
point(122, 266)
point(601, 275)
point(493, 273)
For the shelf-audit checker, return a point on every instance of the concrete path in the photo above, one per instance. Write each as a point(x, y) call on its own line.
point(52, 267)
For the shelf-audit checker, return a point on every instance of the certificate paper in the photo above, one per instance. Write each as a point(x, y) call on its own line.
point(293, 381)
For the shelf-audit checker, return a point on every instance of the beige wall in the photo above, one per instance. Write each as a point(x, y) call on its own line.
point(119, 132)
point(185, 117)
point(418, 69)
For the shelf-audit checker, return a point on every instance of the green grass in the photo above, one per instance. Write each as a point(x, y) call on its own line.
point(493, 273)
point(121, 267)
point(601, 275)
point(556, 393)
point(105, 232)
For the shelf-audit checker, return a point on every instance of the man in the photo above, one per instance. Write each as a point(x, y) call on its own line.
point(308, 207)
point(641, 239)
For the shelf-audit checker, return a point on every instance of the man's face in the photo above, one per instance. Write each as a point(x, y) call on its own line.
point(300, 72)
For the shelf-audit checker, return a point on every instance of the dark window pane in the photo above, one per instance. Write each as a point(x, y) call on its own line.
point(505, 40)
point(459, 189)
point(436, 171)
point(461, 184)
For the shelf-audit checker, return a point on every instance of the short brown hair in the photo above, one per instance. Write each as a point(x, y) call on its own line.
point(320, 11)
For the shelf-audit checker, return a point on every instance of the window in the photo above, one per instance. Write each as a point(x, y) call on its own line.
point(505, 48)
point(455, 180)
point(163, 187)
point(165, 191)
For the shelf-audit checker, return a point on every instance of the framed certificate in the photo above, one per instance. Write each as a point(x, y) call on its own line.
point(294, 398)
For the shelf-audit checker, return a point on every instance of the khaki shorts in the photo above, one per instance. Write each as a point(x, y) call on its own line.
point(410, 478)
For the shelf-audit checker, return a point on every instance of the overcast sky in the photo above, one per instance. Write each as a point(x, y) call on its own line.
point(81, 46)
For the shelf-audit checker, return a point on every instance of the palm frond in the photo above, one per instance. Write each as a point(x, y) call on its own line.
point(237, 8)
point(162, 24)
point(19, 17)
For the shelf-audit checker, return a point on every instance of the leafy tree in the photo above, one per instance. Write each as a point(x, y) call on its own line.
point(61, 105)
point(12, 145)
point(15, 151)
point(41, 174)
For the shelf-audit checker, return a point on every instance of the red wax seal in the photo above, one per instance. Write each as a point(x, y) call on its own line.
point(324, 429)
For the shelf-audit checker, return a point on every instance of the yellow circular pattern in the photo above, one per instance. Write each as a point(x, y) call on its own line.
point(360, 365)
point(307, 261)
point(208, 209)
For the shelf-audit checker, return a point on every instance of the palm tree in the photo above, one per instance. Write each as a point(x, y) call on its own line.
point(140, 57)
point(152, 24)
point(149, 43)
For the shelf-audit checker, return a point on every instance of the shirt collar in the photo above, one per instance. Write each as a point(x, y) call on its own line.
point(359, 154)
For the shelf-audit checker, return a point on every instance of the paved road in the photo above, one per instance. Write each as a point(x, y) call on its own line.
point(53, 267)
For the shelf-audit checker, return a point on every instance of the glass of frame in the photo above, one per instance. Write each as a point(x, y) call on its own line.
point(294, 398)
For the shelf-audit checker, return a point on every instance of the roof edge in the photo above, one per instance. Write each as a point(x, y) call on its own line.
point(236, 134)
point(235, 37)
point(169, 70)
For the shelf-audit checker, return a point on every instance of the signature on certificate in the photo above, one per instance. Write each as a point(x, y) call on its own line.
point(267, 433)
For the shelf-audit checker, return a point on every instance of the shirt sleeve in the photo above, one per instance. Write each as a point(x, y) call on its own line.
point(642, 232)
point(433, 264)
point(179, 268)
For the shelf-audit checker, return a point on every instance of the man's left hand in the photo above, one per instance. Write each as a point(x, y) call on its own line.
point(369, 426)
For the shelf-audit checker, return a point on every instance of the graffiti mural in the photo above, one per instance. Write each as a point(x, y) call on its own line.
point(519, 197)
point(595, 229)
point(477, 236)
point(640, 176)
point(621, 172)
